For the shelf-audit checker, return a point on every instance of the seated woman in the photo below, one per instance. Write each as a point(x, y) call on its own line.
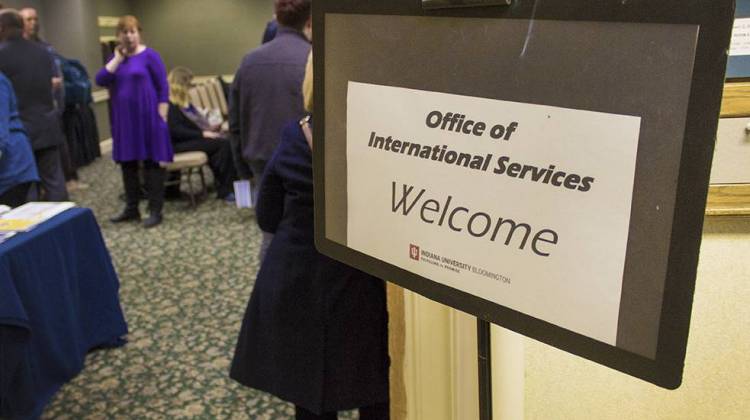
point(18, 174)
point(191, 132)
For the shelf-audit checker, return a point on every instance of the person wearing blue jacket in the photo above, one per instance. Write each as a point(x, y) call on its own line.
point(18, 173)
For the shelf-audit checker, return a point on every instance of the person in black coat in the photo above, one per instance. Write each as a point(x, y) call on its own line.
point(30, 68)
point(315, 330)
point(191, 132)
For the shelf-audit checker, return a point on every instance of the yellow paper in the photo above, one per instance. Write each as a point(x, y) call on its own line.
point(11, 225)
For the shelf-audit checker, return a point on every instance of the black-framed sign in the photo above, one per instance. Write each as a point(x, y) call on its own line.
point(543, 166)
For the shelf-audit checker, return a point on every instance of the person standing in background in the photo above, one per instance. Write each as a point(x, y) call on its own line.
point(30, 24)
point(267, 89)
point(29, 66)
point(31, 33)
point(139, 97)
point(17, 168)
point(315, 331)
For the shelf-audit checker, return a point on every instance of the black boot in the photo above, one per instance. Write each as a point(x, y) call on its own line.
point(126, 215)
point(155, 176)
point(153, 219)
point(132, 184)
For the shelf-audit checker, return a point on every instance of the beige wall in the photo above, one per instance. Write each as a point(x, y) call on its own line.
point(17, 4)
point(535, 381)
point(60, 17)
point(114, 7)
point(209, 37)
point(717, 368)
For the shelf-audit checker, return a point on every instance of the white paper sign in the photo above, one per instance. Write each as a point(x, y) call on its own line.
point(740, 44)
point(524, 205)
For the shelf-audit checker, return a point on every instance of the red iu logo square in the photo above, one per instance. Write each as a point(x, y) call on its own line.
point(414, 252)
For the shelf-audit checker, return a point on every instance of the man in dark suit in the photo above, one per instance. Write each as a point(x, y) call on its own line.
point(29, 66)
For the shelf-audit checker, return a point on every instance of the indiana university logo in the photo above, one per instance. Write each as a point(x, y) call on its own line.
point(414, 252)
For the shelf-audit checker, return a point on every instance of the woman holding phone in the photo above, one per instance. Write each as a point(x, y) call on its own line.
point(139, 98)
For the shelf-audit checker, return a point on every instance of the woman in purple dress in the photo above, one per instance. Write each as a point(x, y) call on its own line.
point(139, 96)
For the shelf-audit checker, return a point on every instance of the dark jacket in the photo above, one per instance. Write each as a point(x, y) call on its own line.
point(270, 33)
point(315, 330)
point(29, 66)
point(267, 92)
point(181, 128)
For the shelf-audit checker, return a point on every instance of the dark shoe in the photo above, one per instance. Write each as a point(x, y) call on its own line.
point(153, 219)
point(126, 215)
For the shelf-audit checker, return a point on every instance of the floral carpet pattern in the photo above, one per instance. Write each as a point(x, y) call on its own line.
point(183, 287)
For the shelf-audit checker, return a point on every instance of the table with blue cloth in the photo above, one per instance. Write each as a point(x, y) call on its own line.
point(58, 300)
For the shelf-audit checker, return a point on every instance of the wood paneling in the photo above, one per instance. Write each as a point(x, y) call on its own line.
point(728, 200)
point(731, 199)
point(736, 100)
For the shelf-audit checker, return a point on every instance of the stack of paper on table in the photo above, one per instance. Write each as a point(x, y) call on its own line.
point(29, 215)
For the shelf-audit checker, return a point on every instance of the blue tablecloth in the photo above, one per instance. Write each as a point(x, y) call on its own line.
point(58, 300)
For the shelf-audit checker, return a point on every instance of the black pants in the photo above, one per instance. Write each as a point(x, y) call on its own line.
point(219, 155)
point(240, 166)
point(49, 164)
point(372, 412)
point(258, 167)
point(153, 176)
point(69, 169)
point(17, 195)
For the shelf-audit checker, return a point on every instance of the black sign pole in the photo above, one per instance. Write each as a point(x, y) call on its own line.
point(484, 359)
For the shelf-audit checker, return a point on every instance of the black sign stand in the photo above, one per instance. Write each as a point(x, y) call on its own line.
point(484, 359)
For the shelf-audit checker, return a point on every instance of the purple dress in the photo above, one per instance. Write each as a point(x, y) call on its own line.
point(135, 90)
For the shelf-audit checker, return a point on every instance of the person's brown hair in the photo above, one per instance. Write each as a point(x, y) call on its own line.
point(128, 22)
point(11, 23)
point(292, 13)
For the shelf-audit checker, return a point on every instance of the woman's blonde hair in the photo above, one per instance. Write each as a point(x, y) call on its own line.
point(180, 79)
point(307, 84)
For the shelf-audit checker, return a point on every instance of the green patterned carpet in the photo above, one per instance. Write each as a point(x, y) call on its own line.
point(184, 287)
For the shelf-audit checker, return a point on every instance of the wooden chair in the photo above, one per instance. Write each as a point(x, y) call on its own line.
point(195, 99)
point(203, 94)
point(215, 85)
point(188, 164)
point(213, 98)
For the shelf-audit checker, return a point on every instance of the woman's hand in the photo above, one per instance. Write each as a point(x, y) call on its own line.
point(163, 110)
point(211, 134)
point(57, 83)
point(116, 60)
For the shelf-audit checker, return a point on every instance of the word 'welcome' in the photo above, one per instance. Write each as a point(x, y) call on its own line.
point(462, 219)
